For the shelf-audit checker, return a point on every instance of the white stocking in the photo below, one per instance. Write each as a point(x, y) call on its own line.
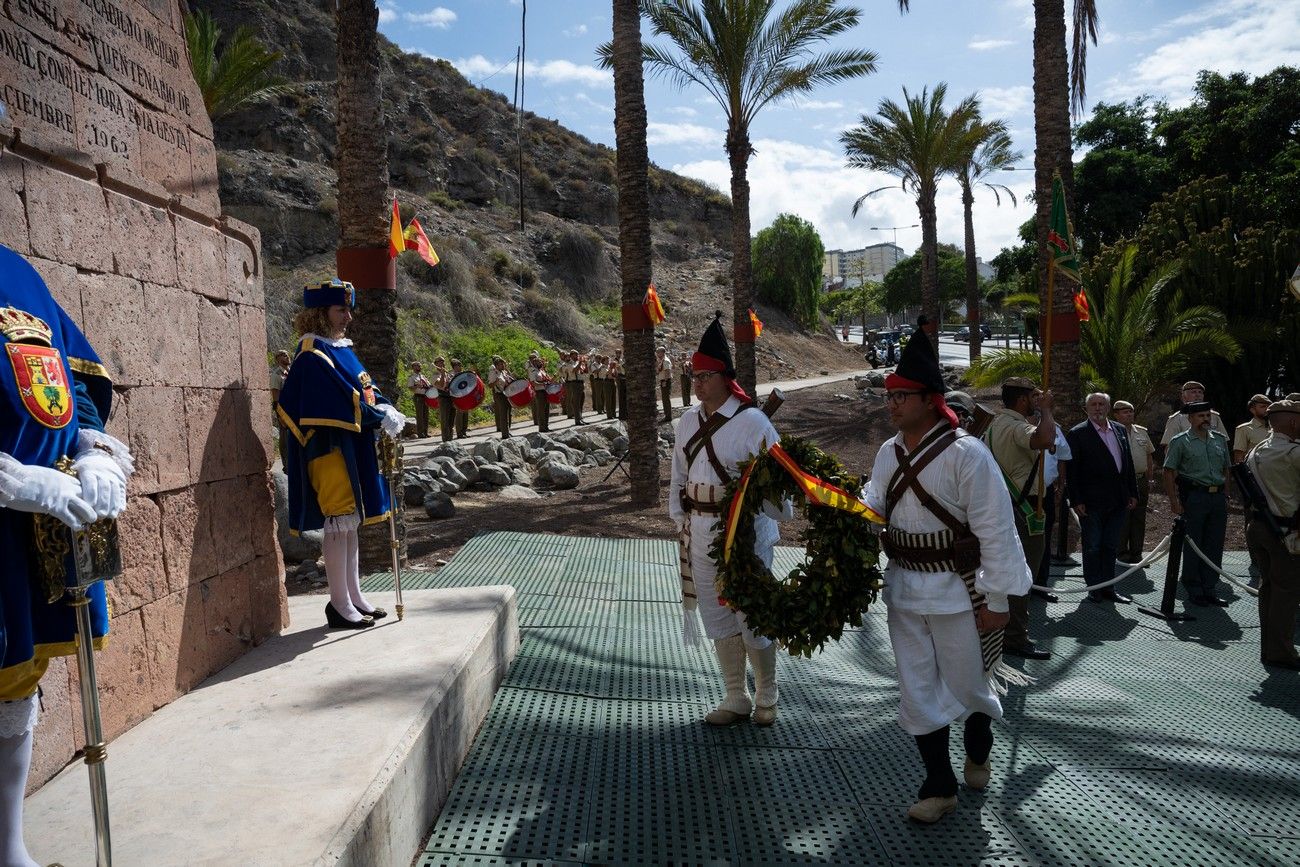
point(15, 761)
point(339, 539)
point(354, 574)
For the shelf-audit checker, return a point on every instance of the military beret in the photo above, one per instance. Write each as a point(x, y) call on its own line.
point(1122, 404)
point(1295, 395)
point(961, 399)
point(1259, 398)
point(1019, 382)
point(1191, 383)
point(1284, 406)
point(1196, 406)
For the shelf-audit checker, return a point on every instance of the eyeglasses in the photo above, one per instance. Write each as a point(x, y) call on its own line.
point(900, 396)
point(703, 375)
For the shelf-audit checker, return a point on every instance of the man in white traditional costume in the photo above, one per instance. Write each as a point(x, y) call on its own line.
point(954, 557)
point(713, 437)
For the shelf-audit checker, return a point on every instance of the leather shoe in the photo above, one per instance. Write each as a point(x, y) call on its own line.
point(338, 621)
point(1215, 600)
point(1109, 596)
point(1202, 601)
point(931, 810)
point(1027, 651)
point(377, 614)
point(977, 776)
point(1045, 594)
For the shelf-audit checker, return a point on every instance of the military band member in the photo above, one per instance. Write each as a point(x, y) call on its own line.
point(419, 385)
point(613, 371)
point(335, 414)
point(596, 373)
point(538, 376)
point(460, 417)
point(1196, 470)
point(564, 370)
point(664, 374)
point(1253, 432)
point(713, 438)
point(446, 410)
point(1275, 464)
point(1176, 423)
point(55, 396)
point(574, 386)
point(954, 560)
point(684, 365)
point(498, 378)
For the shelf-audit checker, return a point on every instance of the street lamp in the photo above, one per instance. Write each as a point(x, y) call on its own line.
point(889, 317)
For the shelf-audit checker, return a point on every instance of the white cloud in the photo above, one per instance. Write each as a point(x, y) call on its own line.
point(1004, 102)
point(1252, 36)
point(439, 17)
point(814, 183)
point(580, 30)
point(683, 110)
point(813, 104)
point(549, 71)
point(989, 44)
point(689, 134)
point(387, 14)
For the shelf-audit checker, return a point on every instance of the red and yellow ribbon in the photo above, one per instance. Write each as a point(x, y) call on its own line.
point(818, 492)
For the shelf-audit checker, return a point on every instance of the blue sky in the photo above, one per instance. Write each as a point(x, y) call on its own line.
point(1146, 47)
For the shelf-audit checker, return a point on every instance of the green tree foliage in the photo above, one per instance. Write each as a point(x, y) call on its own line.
point(239, 73)
point(902, 285)
point(788, 257)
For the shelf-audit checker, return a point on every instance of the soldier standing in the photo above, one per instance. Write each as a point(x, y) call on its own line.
point(620, 382)
point(664, 374)
point(575, 382)
point(541, 405)
point(613, 370)
point(1275, 464)
point(1245, 438)
point(1196, 468)
point(1192, 392)
point(685, 365)
point(1132, 540)
point(596, 372)
point(461, 417)
point(418, 383)
point(446, 411)
point(498, 378)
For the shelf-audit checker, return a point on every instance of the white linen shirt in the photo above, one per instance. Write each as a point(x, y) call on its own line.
point(966, 481)
point(1051, 457)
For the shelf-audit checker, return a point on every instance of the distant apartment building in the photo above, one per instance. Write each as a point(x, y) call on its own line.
point(851, 268)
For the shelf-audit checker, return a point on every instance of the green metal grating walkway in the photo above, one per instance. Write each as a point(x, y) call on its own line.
point(1144, 743)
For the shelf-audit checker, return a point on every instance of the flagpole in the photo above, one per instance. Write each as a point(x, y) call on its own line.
point(1047, 361)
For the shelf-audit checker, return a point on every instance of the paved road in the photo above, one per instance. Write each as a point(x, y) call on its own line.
point(950, 352)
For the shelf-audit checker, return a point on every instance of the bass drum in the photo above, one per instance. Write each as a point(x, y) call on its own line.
point(519, 392)
point(466, 391)
point(555, 392)
point(431, 397)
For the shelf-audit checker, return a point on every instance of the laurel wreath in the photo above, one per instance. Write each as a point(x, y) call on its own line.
point(839, 577)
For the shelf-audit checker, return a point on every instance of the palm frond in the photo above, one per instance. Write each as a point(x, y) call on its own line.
point(1085, 28)
point(995, 365)
point(239, 74)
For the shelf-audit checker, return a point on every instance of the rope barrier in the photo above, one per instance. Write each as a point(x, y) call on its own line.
point(1231, 579)
point(1160, 548)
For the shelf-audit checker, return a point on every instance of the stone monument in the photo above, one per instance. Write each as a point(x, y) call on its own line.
point(108, 186)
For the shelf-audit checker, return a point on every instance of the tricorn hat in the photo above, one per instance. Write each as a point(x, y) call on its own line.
point(329, 294)
point(918, 369)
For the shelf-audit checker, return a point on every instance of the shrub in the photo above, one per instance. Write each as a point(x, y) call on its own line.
point(445, 201)
point(557, 319)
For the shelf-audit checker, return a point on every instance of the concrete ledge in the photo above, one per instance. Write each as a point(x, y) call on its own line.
point(317, 747)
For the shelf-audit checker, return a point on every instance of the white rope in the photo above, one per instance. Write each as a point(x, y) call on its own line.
point(1160, 548)
point(1245, 588)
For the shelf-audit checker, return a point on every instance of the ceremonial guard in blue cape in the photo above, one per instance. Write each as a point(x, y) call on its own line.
point(334, 415)
point(56, 396)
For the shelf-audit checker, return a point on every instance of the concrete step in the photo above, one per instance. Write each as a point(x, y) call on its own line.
point(318, 747)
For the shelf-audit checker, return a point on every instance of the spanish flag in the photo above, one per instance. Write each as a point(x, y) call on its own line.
point(654, 308)
point(823, 493)
point(416, 240)
point(396, 241)
point(756, 322)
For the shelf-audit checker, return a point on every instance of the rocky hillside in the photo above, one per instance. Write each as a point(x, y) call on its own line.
point(453, 160)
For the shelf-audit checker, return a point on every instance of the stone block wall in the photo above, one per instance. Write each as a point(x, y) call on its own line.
point(108, 187)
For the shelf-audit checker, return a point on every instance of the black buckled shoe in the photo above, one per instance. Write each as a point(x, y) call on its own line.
point(338, 621)
point(377, 614)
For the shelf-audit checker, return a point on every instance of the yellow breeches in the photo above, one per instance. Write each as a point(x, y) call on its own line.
point(19, 681)
point(329, 478)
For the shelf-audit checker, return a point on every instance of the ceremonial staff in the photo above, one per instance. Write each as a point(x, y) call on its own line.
point(388, 447)
point(97, 557)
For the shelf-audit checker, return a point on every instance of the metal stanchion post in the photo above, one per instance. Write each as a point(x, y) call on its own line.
point(1173, 560)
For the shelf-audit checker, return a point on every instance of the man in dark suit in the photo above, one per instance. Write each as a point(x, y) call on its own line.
point(1102, 488)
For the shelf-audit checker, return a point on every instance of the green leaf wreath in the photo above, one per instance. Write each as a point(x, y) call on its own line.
point(839, 577)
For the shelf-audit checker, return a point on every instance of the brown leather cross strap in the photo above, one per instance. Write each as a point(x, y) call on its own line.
point(702, 440)
point(907, 477)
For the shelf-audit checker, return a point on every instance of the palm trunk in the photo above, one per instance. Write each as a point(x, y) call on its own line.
point(635, 248)
point(1052, 153)
point(972, 275)
point(742, 278)
point(929, 254)
point(361, 164)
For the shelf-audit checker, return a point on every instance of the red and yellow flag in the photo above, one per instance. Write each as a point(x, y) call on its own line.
point(416, 240)
point(396, 240)
point(756, 322)
point(1081, 306)
point(654, 308)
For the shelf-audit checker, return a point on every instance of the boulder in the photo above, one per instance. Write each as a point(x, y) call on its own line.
point(611, 430)
point(602, 457)
point(304, 546)
point(511, 452)
point(539, 440)
point(618, 446)
point(518, 492)
point(535, 454)
point(521, 475)
point(413, 494)
point(468, 469)
point(489, 450)
point(439, 506)
point(481, 462)
point(451, 450)
point(563, 476)
point(492, 474)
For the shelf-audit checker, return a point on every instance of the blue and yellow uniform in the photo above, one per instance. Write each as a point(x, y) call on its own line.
point(332, 411)
point(52, 386)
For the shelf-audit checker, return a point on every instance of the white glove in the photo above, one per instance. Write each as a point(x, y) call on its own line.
point(1292, 542)
point(394, 422)
point(43, 491)
point(103, 484)
point(783, 512)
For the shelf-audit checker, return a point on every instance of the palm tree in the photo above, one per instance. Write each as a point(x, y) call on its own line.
point(1140, 341)
point(746, 55)
point(918, 142)
point(242, 72)
point(635, 247)
point(990, 150)
point(361, 164)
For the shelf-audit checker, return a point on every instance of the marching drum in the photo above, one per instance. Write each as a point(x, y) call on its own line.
point(466, 391)
point(555, 392)
point(519, 392)
point(431, 397)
